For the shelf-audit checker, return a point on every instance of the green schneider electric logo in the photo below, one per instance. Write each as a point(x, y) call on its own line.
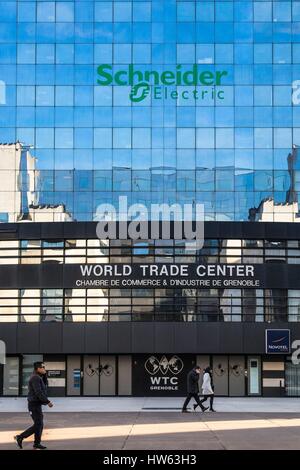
point(194, 83)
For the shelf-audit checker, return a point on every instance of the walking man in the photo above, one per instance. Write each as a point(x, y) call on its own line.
point(37, 396)
point(193, 389)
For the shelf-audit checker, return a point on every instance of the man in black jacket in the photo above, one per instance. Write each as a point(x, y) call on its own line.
point(193, 389)
point(37, 396)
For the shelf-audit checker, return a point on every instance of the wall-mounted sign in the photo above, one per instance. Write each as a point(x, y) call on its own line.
point(161, 374)
point(278, 341)
point(55, 374)
point(160, 275)
point(152, 275)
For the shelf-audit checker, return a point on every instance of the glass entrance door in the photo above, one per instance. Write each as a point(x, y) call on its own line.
point(236, 372)
point(220, 375)
point(254, 376)
point(99, 375)
point(91, 383)
point(74, 375)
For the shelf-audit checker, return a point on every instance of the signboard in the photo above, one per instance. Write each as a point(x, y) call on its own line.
point(161, 374)
point(170, 275)
point(278, 341)
point(55, 373)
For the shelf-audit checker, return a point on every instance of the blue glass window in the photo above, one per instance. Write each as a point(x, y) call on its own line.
point(103, 11)
point(8, 11)
point(46, 11)
point(185, 11)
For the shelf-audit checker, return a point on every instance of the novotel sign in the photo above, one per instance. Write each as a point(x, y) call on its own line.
point(165, 275)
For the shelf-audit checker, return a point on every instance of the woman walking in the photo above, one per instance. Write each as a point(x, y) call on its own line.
point(207, 388)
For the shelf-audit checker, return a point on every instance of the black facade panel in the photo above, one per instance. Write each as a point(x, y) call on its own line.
point(9, 277)
point(50, 337)
point(52, 275)
point(208, 337)
point(230, 230)
point(293, 276)
point(212, 230)
point(231, 338)
point(274, 357)
point(185, 337)
point(50, 230)
point(273, 392)
point(164, 337)
point(277, 278)
point(73, 338)
point(57, 230)
point(142, 337)
point(254, 338)
point(8, 334)
point(131, 337)
point(28, 338)
point(90, 228)
point(56, 358)
point(29, 276)
point(295, 331)
point(273, 374)
point(275, 230)
point(76, 231)
point(251, 230)
point(30, 231)
point(8, 233)
point(96, 338)
point(119, 337)
point(293, 231)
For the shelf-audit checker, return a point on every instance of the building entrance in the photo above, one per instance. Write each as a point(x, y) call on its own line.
point(228, 373)
point(98, 375)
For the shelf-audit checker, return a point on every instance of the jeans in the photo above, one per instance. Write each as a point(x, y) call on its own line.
point(36, 414)
point(188, 399)
point(211, 399)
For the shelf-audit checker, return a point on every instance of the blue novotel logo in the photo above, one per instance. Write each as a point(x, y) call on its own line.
point(278, 341)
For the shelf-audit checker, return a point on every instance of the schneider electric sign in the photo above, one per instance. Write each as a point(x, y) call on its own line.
point(183, 82)
point(164, 275)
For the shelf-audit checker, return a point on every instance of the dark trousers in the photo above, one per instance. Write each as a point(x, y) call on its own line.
point(211, 399)
point(188, 399)
point(36, 414)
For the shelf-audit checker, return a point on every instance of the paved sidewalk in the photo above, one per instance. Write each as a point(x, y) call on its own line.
point(136, 404)
point(156, 430)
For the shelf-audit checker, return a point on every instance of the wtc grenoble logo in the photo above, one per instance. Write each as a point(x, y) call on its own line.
point(137, 222)
point(153, 365)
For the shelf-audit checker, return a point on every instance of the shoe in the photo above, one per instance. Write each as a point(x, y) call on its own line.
point(195, 406)
point(211, 409)
point(185, 411)
point(204, 408)
point(39, 446)
point(19, 441)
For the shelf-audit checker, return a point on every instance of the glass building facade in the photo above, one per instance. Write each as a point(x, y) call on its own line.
point(229, 143)
point(161, 101)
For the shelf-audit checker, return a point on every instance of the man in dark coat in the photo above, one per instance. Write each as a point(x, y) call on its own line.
point(193, 389)
point(37, 396)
